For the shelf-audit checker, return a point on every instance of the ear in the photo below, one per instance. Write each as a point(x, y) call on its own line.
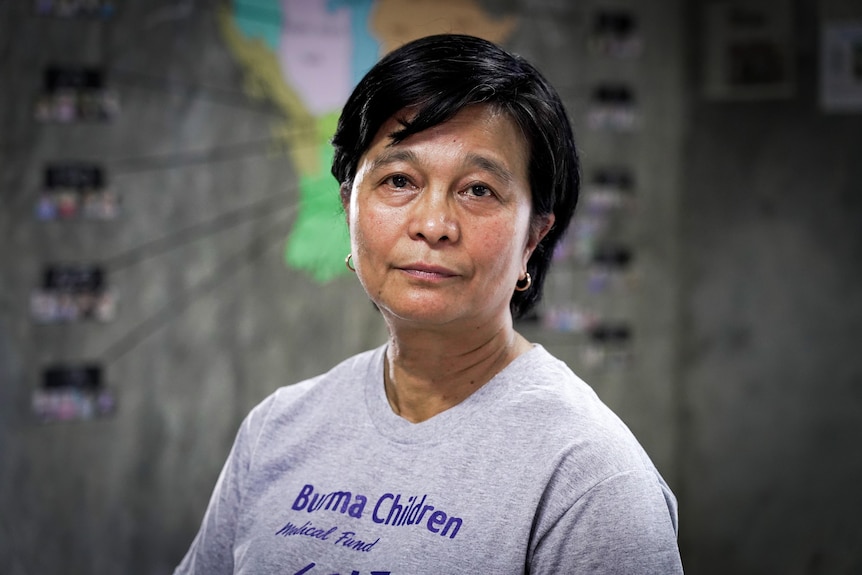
point(539, 228)
point(344, 191)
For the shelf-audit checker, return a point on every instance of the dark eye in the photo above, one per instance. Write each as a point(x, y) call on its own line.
point(399, 181)
point(479, 190)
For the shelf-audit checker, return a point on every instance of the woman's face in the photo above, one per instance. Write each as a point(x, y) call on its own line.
point(440, 222)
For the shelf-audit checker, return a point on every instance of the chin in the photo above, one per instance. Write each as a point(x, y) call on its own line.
point(429, 313)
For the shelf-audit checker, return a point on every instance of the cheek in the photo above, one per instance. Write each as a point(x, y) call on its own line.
point(370, 230)
point(505, 242)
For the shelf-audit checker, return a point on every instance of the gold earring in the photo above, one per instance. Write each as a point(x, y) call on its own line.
point(348, 261)
point(525, 287)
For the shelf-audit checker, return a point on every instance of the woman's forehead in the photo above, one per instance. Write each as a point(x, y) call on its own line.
point(481, 126)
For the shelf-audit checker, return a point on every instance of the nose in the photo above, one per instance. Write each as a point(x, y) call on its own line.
point(433, 218)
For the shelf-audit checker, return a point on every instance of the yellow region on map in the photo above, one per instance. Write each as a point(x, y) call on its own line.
point(263, 80)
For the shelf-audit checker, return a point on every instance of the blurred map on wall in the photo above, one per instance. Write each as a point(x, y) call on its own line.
point(305, 57)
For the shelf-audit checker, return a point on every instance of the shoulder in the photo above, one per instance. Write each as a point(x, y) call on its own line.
point(539, 382)
point(344, 373)
point(539, 375)
point(595, 455)
point(563, 415)
point(296, 400)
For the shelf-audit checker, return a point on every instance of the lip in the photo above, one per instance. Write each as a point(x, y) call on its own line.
point(425, 271)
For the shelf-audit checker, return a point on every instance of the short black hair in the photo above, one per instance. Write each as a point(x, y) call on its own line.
point(436, 77)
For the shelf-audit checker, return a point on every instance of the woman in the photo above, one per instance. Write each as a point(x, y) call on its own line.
point(457, 447)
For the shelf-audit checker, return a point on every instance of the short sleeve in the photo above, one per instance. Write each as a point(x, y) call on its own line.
point(624, 525)
point(211, 552)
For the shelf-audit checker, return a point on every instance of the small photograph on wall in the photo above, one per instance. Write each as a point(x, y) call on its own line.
point(748, 52)
point(73, 293)
point(612, 108)
point(72, 392)
point(74, 8)
point(74, 191)
point(608, 195)
point(75, 94)
point(615, 33)
point(841, 67)
point(610, 268)
point(609, 345)
point(609, 190)
point(569, 318)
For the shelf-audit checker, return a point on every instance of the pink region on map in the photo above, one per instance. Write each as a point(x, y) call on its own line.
point(314, 53)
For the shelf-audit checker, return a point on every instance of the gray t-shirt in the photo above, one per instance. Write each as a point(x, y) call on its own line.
point(530, 474)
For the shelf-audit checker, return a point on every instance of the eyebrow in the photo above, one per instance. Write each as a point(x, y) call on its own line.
point(482, 162)
point(489, 165)
point(391, 156)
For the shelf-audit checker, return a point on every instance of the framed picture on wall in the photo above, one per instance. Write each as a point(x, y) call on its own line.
point(75, 94)
point(73, 293)
point(72, 392)
point(76, 190)
point(613, 108)
point(615, 33)
point(748, 50)
point(841, 67)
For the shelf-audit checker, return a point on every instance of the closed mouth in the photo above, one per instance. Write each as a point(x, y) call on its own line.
point(427, 271)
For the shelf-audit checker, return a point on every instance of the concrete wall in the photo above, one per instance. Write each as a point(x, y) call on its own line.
point(771, 374)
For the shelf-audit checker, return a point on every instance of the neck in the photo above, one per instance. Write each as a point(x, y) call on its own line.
point(428, 372)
